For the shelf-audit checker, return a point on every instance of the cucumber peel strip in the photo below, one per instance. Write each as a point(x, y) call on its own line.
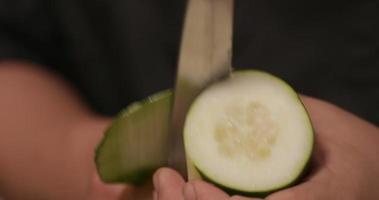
point(136, 143)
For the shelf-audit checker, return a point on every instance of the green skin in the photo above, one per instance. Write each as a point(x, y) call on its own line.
point(137, 177)
point(117, 174)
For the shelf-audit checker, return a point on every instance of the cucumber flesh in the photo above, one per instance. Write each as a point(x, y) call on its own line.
point(136, 143)
point(249, 134)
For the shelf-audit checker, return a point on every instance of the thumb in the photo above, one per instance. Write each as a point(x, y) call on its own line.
point(200, 190)
point(168, 185)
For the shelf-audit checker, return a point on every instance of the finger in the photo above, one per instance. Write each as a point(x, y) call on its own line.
point(168, 185)
point(243, 198)
point(305, 191)
point(200, 190)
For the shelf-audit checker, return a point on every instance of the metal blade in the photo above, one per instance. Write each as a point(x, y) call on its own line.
point(205, 56)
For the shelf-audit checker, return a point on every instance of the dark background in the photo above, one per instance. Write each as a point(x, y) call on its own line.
point(115, 52)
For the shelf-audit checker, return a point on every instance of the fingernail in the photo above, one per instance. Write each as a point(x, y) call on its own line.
point(159, 179)
point(155, 195)
point(189, 192)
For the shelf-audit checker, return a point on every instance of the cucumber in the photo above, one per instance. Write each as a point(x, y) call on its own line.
point(136, 143)
point(249, 134)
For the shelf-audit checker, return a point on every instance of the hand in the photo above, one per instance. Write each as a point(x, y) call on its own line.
point(169, 185)
point(103, 191)
point(47, 139)
point(345, 163)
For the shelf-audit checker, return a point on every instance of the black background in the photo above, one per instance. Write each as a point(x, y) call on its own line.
point(119, 51)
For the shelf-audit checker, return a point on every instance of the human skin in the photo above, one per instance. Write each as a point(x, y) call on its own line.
point(345, 163)
point(47, 139)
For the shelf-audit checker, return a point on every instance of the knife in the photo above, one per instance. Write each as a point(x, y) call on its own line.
point(205, 57)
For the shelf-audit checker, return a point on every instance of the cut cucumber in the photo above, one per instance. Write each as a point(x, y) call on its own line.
point(249, 134)
point(136, 143)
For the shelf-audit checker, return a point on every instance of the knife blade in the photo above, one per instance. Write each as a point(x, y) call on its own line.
point(205, 56)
